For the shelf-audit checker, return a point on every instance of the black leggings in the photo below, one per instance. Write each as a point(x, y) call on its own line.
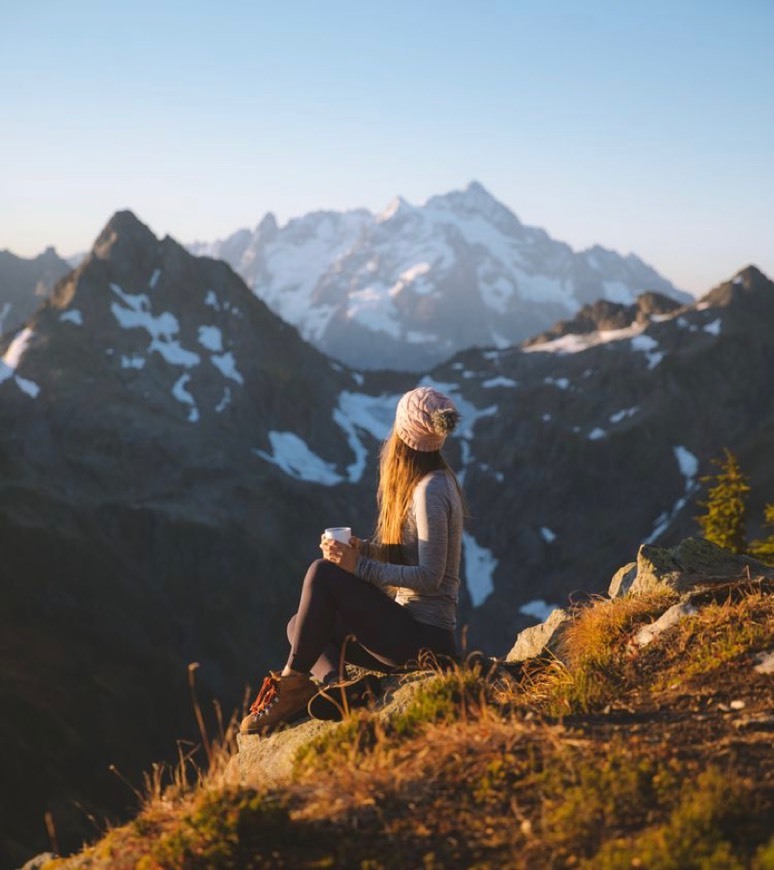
point(335, 605)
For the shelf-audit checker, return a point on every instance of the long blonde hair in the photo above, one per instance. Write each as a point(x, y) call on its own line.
point(400, 470)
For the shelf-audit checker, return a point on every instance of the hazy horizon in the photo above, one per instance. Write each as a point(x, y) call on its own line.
point(646, 131)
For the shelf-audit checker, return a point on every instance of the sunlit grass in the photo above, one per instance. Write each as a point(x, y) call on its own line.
point(593, 655)
point(476, 767)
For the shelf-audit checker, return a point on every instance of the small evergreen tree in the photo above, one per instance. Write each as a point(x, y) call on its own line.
point(724, 521)
point(763, 548)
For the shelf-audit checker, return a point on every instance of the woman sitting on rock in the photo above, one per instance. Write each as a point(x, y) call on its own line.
point(347, 597)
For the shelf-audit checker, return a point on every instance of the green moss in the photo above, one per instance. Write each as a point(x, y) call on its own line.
point(587, 799)
point(714, 826)
point(448, 697)
point(225, 829)
point(457, 695)
point(349, 740)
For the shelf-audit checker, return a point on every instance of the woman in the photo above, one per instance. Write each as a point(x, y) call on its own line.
point(347, 597)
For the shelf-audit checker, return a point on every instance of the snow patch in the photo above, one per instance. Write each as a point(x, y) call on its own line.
point(596, 434)
point(72, 316)
point(135, 314)
point(27, 386)
point(211, 338)
point(211, 300)
point(372, 414)
point(174, 354)
point(648, 345)
point(562, 383)
point(224, 402)
point(499, 381)
point(10, 362)
point(226, 365)
point(480, 566)
point(689, 464)
point(293, 455)
point(623, 414)
point(16, 349)
point(548, 535)
point(578, 342)
point(538, 608)
point(689, 467)
point(154, 279)
point(180, 392)
point(133, 362)
point(714, 327)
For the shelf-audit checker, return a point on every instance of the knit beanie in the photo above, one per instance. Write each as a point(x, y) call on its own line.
point(424, 418)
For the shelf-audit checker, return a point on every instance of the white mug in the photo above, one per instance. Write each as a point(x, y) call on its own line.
point(339, 533)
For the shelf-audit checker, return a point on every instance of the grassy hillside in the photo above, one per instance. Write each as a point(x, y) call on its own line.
point(608, 755)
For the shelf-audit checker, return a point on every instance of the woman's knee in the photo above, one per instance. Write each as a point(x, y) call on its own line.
point(291, 629)
point(319, 572)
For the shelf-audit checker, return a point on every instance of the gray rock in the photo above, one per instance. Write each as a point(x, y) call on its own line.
point(693, 562)
point(622, 580)
point(269, 760)
point(667, 620)
point(539, 638)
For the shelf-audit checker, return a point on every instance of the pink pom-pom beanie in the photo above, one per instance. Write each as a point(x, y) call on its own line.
point(424, 418)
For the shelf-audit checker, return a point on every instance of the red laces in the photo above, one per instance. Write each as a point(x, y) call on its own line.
point(268, 692)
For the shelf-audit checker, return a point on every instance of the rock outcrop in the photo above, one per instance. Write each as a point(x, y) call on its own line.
point(539, 639)
point(693, 562)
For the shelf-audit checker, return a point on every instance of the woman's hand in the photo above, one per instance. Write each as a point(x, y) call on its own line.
point(343, 555)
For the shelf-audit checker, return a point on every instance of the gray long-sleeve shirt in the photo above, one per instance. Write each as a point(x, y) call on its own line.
point(428, 581)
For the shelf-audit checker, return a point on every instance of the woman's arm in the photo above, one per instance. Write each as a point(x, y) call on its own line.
point(432, 510)
point(372, 550)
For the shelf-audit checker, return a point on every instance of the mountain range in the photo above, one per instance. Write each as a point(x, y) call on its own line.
point(170, 450)
point(409, 287)
point(25, 283)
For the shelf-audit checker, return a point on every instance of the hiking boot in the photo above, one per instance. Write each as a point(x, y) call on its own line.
point(281, 700)
point(334, 701)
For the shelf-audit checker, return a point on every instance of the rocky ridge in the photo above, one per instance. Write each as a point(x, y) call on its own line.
point(411, 286)
point(25, 284)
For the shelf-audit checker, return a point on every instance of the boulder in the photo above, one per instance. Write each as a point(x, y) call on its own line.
point(539, 638)
point(667, 619)
point(269, 760)
point(622, 580)
point(693, 562)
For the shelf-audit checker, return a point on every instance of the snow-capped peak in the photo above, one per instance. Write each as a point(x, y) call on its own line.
point(413, 284)
point(396, 207)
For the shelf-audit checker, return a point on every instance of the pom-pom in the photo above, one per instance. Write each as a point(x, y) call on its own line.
point(445, 421)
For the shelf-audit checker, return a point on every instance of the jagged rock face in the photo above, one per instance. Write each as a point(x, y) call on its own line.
point(409, 287)
point(24, 284)
point(157, 509)
point(579, 449)
point(691, 563)
point(604, 315)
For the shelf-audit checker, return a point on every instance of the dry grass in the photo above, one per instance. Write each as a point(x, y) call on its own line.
point(718, 634)
point(590, 669)
point(479, 770)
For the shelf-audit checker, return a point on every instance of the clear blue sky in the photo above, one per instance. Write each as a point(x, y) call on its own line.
point(642, 126)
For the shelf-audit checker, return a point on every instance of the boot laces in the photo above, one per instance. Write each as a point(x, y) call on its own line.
point(267, 695)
